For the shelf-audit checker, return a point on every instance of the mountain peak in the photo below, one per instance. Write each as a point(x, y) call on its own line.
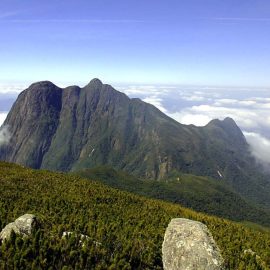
point(228, 122)
point(95, 83)
point(230, 128)
point(42, 84)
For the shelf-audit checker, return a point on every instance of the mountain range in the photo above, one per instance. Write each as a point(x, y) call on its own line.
point(73, 128)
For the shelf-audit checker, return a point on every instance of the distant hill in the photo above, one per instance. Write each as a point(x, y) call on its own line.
point(125, 231)
point(75, 128)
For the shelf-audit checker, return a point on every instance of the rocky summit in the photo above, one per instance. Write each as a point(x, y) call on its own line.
point(188, 245)
point(73, 128)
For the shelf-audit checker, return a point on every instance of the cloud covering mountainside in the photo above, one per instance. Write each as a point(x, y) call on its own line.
point(3, 116)
point(4, 135)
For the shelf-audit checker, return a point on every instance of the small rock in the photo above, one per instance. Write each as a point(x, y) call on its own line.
point(259, 260)
point(23, 226)
point(188, 245)
point(82, 237)
point(249, 251)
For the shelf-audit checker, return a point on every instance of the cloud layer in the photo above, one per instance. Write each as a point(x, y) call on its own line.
point(12, 88)
point(4, 135)
point(259, 146)
point(3, 116)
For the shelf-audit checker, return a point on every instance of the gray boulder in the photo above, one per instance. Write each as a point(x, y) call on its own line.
point(189, 245)
point(23, 226)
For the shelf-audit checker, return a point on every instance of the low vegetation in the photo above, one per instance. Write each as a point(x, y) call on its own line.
point(202, 194)
point(125, 230)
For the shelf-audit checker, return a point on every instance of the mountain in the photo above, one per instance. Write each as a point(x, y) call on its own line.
point(124, 231)
point(75, 128)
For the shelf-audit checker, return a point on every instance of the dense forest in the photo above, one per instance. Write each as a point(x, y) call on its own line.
point(125, 231)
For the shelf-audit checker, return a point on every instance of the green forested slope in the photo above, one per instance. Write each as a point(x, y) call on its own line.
point(197, 192)
point(128, 227)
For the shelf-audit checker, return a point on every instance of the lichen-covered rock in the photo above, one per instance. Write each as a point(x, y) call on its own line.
point(23, 226)
point(189, 245)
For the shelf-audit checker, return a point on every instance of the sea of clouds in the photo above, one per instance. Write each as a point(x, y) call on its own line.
point(249, 107)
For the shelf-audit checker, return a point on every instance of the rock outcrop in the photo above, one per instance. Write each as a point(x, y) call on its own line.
point(189, 245)
point(23, 226)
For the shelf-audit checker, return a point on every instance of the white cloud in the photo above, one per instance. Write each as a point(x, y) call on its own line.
point(145, 90)
point(12, 88)
point(240, 19)
point(225, 101)
point(189, 118)
point(156, 101)
point(4, 135)
point(259, 146)
point(3, 116)
point(101, 21)
point(261, 99)
point(247, 102)
point(5, 15)
point(193, 98)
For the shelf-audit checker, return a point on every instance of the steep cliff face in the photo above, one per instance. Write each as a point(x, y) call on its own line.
point(32, 122)
point(75, 128)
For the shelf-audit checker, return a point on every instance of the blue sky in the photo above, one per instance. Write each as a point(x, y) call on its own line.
point(193, 42)
point(195, 60)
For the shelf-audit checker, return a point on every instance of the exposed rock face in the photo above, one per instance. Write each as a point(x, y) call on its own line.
point(189, 245)
point(23, 225)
